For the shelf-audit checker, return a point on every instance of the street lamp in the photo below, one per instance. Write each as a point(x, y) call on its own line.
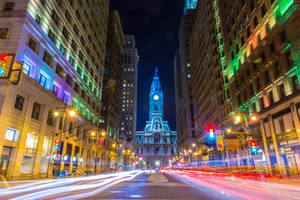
point(253, 118)
point(56, 113)
point(238, 118)
point(93, 134)
point(72, 113)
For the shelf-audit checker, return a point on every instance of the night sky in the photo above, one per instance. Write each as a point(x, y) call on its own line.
point(155, 25)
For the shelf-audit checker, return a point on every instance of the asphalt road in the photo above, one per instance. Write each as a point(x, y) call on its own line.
point(170, 184)
point(143, 187)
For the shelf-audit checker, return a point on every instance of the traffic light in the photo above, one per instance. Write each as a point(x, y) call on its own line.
point(253, 146)
point(211, 132)
point(56, 145)
point(5, 63)
point(16, 73)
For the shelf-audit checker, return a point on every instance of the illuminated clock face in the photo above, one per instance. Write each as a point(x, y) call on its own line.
point(156, 97)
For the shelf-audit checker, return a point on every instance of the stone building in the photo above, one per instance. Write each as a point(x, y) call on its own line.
point(110, 114)
point(208, 91)
point(156, 145)
point(129, 90)
point(62, 45)
point(262, 74)
point(184, 105)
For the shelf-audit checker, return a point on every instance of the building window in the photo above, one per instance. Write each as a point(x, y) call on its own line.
point(38, 19)
point(9, 6)
point(55, 17)
point(71, 60)
point(26, 68)
point(59, 70)
point(66, 33)
point(74, 46)
point(19, 102)
point(32, 44)
point(50, 118)
point(51, 35)
point(55, 90)
point(4, 33)
point(44, 162)
point(282, 91)
point(11, 134)
point(76, 88)
point(43, 2)
point(66, 98)
point(295, 83)
point(35, 111)
point(69, 79)
point(68, 16)
point(271, 97)
point(31, 143)
point(42, 80)
point(62, 49)
point(47, 58)
point(255, 22)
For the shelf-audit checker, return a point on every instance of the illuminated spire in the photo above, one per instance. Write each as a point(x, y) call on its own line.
point(190, 4)
point(155, 86)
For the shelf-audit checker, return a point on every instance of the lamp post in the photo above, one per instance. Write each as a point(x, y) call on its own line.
point(63, 157)
point(238, 119)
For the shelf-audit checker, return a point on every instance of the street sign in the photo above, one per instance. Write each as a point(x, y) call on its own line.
point(220, 143)
point(218, 132)
point(232, 144)
point(16, 73)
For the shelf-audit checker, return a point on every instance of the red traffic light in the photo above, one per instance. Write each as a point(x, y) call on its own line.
point(252, 144)
point(3, 57)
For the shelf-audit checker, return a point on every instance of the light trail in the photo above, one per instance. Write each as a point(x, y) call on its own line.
point(239, 187)
point(58, 188)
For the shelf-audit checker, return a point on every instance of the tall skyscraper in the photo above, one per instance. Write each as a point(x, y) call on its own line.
point(207, 89)
point(110, 113)
point(184, 104)
point(157, 143)
point(49, 123)
point(129, 89)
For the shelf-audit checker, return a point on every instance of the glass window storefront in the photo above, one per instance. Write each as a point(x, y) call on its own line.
point(27, 165)
point(31, 143)
point(43, 168)
point(11, 134)
point(44, 162)
point(29, 157)
point(46, 146)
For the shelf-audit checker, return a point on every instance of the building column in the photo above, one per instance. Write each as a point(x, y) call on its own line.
point(296, 119)
point(21, 146)
point(71, 159)
point(51, 162)
point(297, 127)
point(40, 144)
point(280, 164)
point(263, 133)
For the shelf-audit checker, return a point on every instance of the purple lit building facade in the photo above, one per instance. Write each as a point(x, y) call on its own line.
point(62, 45)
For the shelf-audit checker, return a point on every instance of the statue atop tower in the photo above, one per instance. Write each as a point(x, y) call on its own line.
point(157, 143)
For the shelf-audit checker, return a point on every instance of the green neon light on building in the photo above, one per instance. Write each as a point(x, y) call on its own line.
point(284, 5)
